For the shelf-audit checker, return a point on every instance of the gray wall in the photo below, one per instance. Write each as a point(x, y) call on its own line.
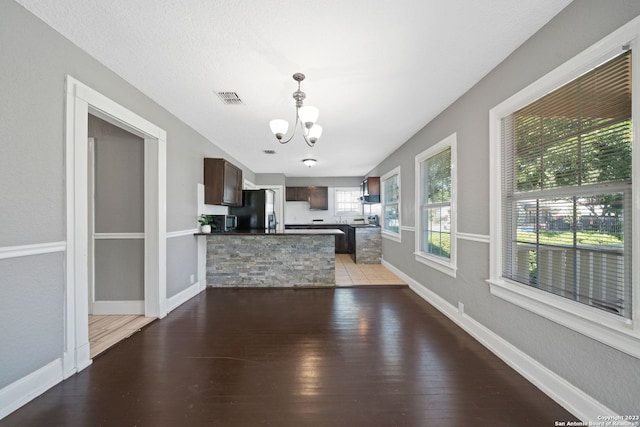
point(119, 178)
point(119, 270)
point(34, 61)
point(606, 374)
point(270, 179)
point(31, 314)
point(347, 181)
point(180, 273)
point(281, 179)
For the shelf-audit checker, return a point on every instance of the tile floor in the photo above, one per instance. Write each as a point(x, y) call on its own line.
point(349, 273)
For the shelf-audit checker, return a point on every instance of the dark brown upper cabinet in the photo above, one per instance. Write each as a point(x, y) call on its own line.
point(370, 190)
point(222, 183)
point(297, 194)
point(319, 198)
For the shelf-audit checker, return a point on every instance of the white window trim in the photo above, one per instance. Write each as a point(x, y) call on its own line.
point(433, 261)
point(622, 334)
point(397, 237)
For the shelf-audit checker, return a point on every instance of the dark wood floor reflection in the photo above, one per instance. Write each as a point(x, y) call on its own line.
point(315, 357)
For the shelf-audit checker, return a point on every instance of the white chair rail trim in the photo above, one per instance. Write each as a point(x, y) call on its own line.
point(33, 249)
point(482, 238)
point(180, 233)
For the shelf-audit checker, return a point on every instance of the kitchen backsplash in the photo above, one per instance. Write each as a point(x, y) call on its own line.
point(299, 212)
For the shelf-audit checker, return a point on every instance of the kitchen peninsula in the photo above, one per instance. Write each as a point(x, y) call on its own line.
point(362, 241)
point(256, 258)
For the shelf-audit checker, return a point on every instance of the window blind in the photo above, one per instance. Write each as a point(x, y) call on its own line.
point(566, 183)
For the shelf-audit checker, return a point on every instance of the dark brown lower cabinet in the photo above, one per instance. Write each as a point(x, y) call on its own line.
point(351, 242)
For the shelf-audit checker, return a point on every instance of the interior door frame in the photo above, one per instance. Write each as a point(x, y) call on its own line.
point(91, 277)
point(279, 204)
point(80, 101)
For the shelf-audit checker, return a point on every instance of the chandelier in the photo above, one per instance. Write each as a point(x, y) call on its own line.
point(306, 116)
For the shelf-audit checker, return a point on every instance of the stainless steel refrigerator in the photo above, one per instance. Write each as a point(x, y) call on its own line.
point(257, 211)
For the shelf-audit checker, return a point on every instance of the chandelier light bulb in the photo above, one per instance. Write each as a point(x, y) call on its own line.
point(314, 133)
point(308, 116)
point(279, 127)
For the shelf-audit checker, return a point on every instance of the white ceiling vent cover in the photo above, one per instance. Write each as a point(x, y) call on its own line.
point(229, 98)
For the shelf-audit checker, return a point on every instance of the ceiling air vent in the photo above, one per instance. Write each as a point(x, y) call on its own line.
point(269, 151)
point(229, 98)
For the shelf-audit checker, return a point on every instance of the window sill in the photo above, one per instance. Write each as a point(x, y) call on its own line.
point(396, 237)
point(607, 328)
point(443, 267)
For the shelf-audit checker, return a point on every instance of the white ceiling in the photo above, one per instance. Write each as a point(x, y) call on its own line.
point(378, 70)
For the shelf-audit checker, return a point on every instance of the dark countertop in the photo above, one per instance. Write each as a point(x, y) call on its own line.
point(301, 232)
point(332, 225)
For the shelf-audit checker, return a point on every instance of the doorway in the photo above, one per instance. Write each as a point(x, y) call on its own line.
point(116, 220)
point(278, 201)
point(278, 204)
point(116, 235)
point(81, 101)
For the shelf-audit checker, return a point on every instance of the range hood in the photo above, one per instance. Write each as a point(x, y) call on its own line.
point(368, 199)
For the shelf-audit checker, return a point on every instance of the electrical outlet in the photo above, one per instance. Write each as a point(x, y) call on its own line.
point(192, 278)
point(460, 307)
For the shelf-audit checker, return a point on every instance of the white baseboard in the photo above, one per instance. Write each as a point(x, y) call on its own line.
point(83, 357)
point(185, 295)
point(76, 361)
point(118, 307)
point(570, 397)
point(28, 388)
point(574, 400)
point(33, 385)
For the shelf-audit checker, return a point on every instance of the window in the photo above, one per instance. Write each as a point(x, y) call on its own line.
point(562, 196)
point(435, 209)
point(391, 204)
point(347, 202)
point(567, 186)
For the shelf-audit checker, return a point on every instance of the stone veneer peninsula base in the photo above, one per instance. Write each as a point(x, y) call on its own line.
point(368, 245)
point(289, 259)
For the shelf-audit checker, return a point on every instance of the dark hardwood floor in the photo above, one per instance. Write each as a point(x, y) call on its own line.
point(375, 356)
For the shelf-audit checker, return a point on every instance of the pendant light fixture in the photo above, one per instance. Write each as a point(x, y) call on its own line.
point(305, 116)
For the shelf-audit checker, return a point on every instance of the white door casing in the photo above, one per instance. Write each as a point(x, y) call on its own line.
point(80, 101)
